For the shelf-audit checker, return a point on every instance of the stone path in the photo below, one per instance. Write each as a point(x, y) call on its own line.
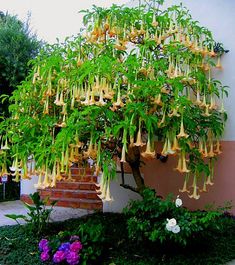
point(17, 207)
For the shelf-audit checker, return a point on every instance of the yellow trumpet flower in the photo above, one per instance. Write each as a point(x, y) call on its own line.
point(182, 133)
point(64, 110)
point(211, 152)
point(184, 189)
point(198, 100)
point(5, 146)
point(179, 165)
point(207, 114)
point(176, 146)
point(101, 101)
point(184, 164)
point(123, 158)
point(204, 189)
point(87, 99)
point(53, 175)
point(212, 103)
point(61, 100)
point(46, 182)
point(103, 190)
point(46, 107)
point(208, 181)
point(195, 188)
point(205, 151)
point(119, 102)
point(39, 184)
point(158, 100)
point(148, 154)
point(162, 120)
point(92, 98)
point(174, 113)
point(217, 150)
point(139, 137)
point(107, 197)
point(154, 22)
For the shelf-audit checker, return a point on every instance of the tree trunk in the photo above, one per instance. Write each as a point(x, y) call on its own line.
point(135, 167)
point(133, 159)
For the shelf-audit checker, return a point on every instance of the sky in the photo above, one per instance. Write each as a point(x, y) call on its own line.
point(51, 19)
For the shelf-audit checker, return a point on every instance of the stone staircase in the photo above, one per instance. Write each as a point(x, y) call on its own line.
point(78, 192)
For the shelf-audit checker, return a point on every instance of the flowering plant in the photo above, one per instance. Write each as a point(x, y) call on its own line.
point(65, 252)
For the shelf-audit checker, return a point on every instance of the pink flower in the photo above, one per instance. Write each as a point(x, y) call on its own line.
point(76, 246)
point(59, 256)
point(44, 256)
point(73, 258)
point(42, 244)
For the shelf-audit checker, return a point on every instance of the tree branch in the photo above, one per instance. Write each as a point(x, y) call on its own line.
point(126, 186)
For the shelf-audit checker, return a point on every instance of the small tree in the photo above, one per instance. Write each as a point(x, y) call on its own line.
point(17, 47)
point(136, 75)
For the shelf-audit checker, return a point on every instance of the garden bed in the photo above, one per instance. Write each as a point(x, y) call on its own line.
point(19, 247)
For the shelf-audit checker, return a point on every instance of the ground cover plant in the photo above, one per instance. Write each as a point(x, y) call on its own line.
point(112, 245)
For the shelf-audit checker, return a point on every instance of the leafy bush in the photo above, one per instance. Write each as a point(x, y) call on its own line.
point(21, 248)
point(38, 215)
point(148, 220)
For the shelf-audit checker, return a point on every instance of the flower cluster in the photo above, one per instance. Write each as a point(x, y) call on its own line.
point(172, 226)
point(68, 252)
point(171, 223)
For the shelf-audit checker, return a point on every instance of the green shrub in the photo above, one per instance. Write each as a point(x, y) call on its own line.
point(38, 215)
point(147, 220)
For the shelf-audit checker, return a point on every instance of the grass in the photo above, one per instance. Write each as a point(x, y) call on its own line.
point(18, 247)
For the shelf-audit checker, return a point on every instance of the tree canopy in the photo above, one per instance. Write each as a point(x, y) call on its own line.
point(134, 76)
point(17, 47)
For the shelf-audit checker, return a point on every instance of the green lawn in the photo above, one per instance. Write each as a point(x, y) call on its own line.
point(18, 247)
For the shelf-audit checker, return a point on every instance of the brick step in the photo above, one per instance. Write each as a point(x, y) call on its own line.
point(73, 194)
point(76, 185)
point(81, 171)
point(82, 178)
point(79, 203)
point(72, 203)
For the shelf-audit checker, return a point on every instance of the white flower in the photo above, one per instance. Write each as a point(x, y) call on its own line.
point(171, 222)
point(168, 227)
point(178, 202)
point(175, 229)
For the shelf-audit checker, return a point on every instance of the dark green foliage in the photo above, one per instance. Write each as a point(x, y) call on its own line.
point(147, 220)
point(20, 248)
point(12, 190)
point(38, 215)
point(17, 47)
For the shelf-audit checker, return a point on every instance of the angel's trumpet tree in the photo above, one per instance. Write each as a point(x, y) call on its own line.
point(145, 72)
